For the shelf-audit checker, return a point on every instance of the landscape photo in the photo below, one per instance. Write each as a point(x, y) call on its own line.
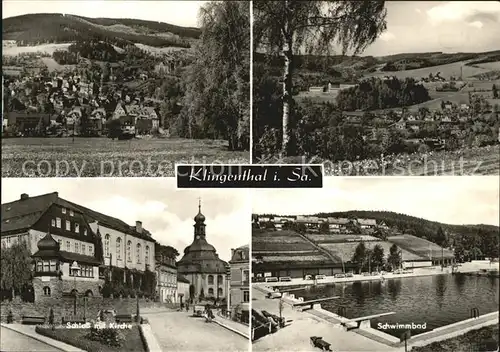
point(378, 88)
point(86, 267)
point(123, 88)
point(377, 265)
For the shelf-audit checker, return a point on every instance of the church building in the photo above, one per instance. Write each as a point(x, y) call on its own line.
point(202, 267)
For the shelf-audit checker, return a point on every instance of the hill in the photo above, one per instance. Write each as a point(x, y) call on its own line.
point(35, 29)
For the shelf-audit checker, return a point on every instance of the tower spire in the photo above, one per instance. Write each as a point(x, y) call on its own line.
point(199, 204)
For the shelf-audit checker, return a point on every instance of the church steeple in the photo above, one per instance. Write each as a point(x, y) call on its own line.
point(199, 225)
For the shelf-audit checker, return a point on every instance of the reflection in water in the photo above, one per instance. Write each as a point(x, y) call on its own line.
point(394, 288)
point(435, 300)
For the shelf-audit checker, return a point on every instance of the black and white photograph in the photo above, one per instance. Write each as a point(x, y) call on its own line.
point(403, 88)
point(123, 265)
point(123, 88)
point(377, 265)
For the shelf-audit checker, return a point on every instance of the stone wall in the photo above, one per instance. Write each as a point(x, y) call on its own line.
point(63, 307)
point(58, 287)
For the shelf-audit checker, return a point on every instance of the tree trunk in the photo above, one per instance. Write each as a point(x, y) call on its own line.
point(287, 82)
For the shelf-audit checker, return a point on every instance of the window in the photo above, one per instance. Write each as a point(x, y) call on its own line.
point(58, 223)
point(118, 248)
point(83, 248)
point(91, 250)
point(64, 210)
point(53, 222)
point(60, 243)
point(46, 291)
point(211, 291)
point(77, 228)
point(71, 213)
point(68, 246)
point(53, 265)
point(106, 245)
point(68, 225)
point(246, 276)
point(210, 279)
point(219, 292)
point(39, 266)
point(220, 280)
point(85, 232)
point(146, 257)
point(85, 271)
point(138, 253)
point(246, 296)
point(129, 255)
point(77, 247)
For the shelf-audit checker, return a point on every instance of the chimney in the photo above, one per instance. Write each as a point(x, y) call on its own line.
point(24, 196)
point(138, 226)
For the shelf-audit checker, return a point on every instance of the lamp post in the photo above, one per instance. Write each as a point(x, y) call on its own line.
point(74, 269)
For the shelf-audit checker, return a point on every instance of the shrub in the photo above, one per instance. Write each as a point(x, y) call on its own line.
point(106, 336)
point(10, 317)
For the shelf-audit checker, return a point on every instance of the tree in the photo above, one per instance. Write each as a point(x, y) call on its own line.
point(394, 259)
point(217, 100)
point(378, 258)
point(495, 92)
point(202, 294)
point(440, 238)
point(284, 27)
point(15, 271)
point(360, 255)
point(324, 228)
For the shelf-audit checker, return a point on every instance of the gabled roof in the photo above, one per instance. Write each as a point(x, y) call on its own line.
point(340, 221)
point(370, 222)
point(181, 278)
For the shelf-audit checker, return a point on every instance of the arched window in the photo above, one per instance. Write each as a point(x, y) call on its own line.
point(210, 291)
point(129, 254)
point(210, 279)
point(106, 245)
point(118, 248)
point(46, 291)
point(220, 280)
point(138, 254)
point(146, 257)
point(220, 292)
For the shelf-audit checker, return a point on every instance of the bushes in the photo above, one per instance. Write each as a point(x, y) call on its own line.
point(106, 336)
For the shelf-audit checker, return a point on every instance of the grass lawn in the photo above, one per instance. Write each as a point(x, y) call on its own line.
point(77, 337)
point(103, 157)
point(472, 341)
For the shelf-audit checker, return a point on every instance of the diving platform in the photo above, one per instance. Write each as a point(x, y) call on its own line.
point(355, 323)
point(312, 302)
point(292, 289)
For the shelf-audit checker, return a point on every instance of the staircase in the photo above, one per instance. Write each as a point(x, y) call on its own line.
point(332, 257)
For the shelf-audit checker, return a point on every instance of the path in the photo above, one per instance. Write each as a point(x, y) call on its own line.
point(12, 341)
point(179, 331)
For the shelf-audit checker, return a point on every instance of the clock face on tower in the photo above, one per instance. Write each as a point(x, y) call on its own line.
point(197, 237)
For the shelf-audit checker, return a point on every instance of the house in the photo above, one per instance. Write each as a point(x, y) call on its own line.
point(144, 118)
point(182, 288)
point(429, 118)
point(367, 223)
point(239, 284)
point(166, 275)
point(464, 106)
point(414, 128)
point(411, 118)
point(446, 119)
point(316, 89)
point(338, 225)
point(381, 224)
point(448, 106)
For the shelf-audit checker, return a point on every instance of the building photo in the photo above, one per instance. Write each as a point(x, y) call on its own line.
point(73, 248)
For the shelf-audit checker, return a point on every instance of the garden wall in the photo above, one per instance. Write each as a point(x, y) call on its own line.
point(63, 307)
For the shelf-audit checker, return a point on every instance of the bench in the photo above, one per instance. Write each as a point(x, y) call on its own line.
point(73, 319)
point(123, 318)
point(32, 320)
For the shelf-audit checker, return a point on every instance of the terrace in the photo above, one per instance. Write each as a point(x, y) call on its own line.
point(420, 247)
point(346, 250)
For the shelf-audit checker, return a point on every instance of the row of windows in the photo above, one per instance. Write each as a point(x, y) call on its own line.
point(138, 250)
point(11, 240)
point(57, 222)
point(85, 271)
point(219, 291)
point(83, 248)
point(220, 280)
point(46, 266)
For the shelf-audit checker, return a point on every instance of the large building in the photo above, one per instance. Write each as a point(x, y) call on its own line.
point(201, 265)
point(92, 240)
point(240, 277)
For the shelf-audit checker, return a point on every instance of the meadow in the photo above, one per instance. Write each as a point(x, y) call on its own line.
point(103, 157)
point(43, 48)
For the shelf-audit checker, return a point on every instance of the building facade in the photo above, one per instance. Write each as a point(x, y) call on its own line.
point(239, 277)
point(202, 267)
point(166, 275)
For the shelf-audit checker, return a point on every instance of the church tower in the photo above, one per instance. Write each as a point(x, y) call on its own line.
point(199, 224)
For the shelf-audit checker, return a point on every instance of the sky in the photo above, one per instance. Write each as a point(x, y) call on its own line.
point(181, 13)
point(451, 200)
point(447, 26)
point(164, 210)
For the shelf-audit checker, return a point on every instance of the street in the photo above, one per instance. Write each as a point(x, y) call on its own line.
point(179, 331)
point(11, 341)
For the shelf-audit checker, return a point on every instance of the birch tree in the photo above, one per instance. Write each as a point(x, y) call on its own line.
point(289, 27)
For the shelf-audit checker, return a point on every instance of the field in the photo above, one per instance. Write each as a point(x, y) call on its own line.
point(446, 71)
point(334, 238)
point(52, 65)
point(346, 250)
point(44, 48)
point(295, 258)
point(317, 97)
point(282, 241)
point(159, 51)
point(103, 157)
point(418, 245)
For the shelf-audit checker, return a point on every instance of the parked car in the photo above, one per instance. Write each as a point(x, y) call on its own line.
point(375, 273)
point(285, 279)
point(308, 277)
point(366, 273)
point(349, 275)
point(320, 277)
point(339, 276)
point(274, 295)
